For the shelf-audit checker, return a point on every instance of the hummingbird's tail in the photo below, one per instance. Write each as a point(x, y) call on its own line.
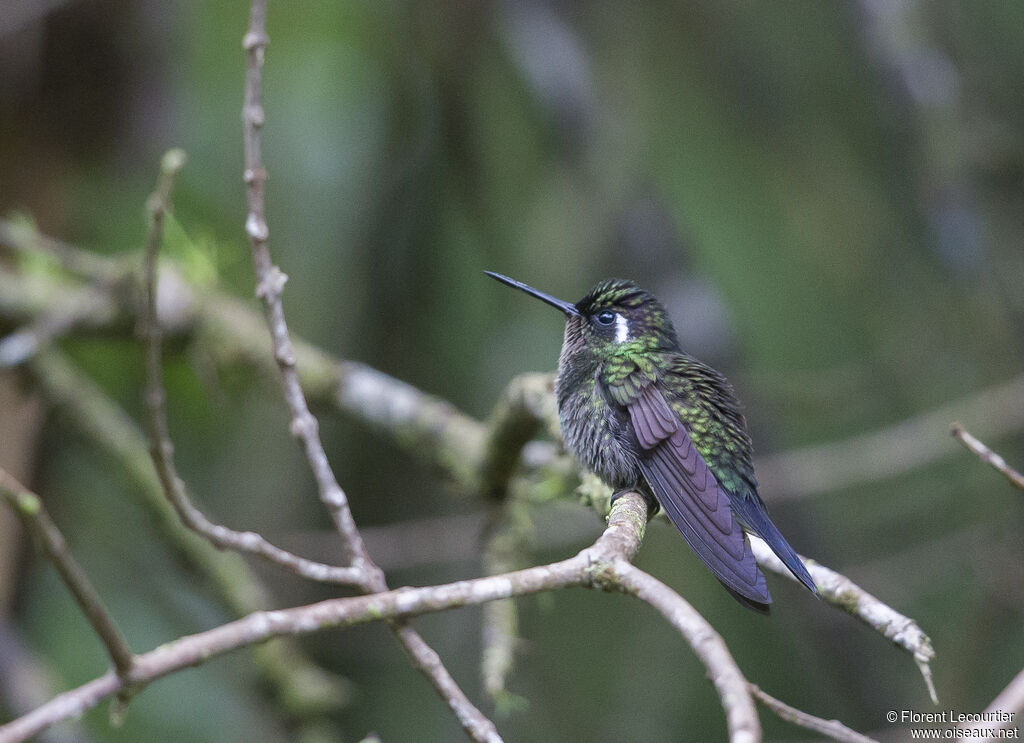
point(757, 606)
point(751, 512)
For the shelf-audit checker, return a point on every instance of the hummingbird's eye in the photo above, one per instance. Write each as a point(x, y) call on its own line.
point(605, 317)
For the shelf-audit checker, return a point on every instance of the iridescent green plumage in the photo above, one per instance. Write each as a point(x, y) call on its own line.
point(642, 414)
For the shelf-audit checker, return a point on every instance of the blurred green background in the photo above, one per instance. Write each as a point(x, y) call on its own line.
point(827, 195)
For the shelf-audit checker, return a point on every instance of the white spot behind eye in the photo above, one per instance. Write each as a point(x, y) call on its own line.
point(621, 328)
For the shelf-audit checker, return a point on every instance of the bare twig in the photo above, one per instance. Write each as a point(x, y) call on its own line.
point(428, 662)
point(81, 308)
point(830, 728)
point(29, 508)
point(733, 691)
point(161, 446)
point(843, 593)
point(986, 455)
point(270, 282)
point(890, 450)
point(98, 269)
point(285, 665)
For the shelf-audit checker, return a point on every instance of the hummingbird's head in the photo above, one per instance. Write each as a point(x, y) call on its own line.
point(613, 313)
point(617, 312)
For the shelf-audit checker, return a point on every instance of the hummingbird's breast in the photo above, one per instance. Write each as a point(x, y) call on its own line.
point(596, 432)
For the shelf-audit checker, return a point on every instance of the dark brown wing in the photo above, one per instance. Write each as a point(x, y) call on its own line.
point(692, 498)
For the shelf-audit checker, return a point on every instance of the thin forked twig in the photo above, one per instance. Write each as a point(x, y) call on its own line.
point(986, 455)
point(162, 449)
point(285, 668)
point(426, 660)
point(831, 728)
point(840, 591)
point(733, 691)
point(270, 282)
point(29, 508)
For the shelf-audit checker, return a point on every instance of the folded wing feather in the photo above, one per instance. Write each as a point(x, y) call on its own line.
point(686, 488)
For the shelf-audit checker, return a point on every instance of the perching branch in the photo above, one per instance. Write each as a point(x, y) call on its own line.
point(986, 455)
point(29, 507)
point(605, 565)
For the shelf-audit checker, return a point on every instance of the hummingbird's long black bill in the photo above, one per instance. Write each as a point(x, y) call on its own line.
point(566, 307)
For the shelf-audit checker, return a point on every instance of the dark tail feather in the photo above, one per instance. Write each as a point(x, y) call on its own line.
point(752, 513)
point(757, 606)
point(792, 561)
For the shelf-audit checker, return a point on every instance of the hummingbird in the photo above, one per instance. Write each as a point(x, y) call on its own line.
point(643, 415)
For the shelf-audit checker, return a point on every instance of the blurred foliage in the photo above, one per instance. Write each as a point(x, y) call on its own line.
point(827, 196)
